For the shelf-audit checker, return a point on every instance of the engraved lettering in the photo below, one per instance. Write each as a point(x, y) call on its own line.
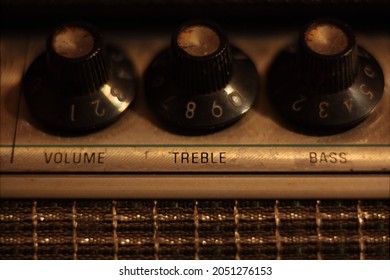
point(184, 157)
point(48, 157)
point(175, 156)
point(343, 157)
point(90, 158)
point(74, 158)
point(199, 157)
point(327, 157)
point(313, 157)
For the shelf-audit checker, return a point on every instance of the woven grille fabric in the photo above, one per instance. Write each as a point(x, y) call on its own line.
point(190, 229)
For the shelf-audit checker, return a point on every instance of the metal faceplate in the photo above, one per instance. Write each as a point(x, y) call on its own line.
point(139, 156)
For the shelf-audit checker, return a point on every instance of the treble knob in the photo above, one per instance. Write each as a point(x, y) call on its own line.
point(326, 83)
point(201, 59)
point(201, 83)
point(79, 84)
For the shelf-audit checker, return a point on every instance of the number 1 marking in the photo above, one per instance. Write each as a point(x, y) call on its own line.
point(72, 113)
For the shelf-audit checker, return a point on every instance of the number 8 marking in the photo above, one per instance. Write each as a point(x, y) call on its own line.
point(190, 113)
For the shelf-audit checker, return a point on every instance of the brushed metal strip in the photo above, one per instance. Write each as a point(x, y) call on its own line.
point(317, 186)
point(202, 158)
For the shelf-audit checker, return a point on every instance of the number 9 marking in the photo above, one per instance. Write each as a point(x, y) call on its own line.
point(216, 110)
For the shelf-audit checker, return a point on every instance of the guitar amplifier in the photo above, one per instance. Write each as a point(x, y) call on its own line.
point(195, 130)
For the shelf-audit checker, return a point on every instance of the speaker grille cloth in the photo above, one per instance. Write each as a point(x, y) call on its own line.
point(194, 229)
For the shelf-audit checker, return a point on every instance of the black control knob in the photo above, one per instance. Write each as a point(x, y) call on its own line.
point(326, 83)
point(79, 84)
point(201, 82)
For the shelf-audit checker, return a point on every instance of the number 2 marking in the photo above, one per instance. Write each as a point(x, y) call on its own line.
point(295, 106)
point(98, 112)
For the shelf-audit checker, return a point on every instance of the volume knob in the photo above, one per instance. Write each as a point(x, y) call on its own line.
point(79, 84)
point(76, 58)
point(201, 83)
point(326, 83)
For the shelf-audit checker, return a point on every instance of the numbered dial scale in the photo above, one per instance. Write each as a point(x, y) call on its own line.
point(327, 83)
point(79, 84)
point(201, 83)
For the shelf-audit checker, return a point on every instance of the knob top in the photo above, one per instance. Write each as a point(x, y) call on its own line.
point(327, 56)
point(73, 41)
point(198, 40)
point(201, 57)
point(75, 57)
point(326, 39)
